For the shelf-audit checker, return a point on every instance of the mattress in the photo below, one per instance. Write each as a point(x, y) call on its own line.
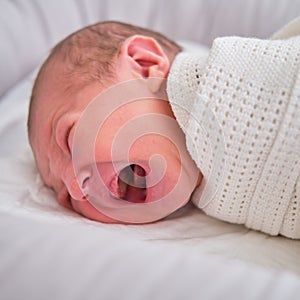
point(50, 252)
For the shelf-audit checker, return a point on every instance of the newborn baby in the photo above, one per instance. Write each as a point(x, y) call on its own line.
point(127, 128)
point(74, 153)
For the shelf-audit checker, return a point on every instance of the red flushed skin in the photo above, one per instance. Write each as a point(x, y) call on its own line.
point(56, 121)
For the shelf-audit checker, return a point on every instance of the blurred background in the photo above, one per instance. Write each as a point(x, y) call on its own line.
point(28, 29)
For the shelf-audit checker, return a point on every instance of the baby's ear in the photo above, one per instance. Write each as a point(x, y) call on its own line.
point(144, 57)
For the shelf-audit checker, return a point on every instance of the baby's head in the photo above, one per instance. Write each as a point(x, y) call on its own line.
point(82, 66)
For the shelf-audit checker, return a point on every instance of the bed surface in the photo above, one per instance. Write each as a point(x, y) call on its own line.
point(50, 252)
point(45, 246)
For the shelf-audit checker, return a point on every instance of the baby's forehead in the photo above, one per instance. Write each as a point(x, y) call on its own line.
point(70, 100)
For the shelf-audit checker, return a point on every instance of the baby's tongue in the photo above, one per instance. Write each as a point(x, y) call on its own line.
point(134, 190)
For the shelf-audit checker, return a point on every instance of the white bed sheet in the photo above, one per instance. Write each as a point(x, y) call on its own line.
point(47, 251)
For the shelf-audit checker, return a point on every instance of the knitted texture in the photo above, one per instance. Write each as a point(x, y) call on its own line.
point(239, 106)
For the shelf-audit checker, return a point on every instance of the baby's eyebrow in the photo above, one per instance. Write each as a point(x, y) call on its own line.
point(48, 170)
point(48, 150)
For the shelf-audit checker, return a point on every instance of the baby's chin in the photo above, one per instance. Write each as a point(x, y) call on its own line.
point(86, 209)
point(133, 185)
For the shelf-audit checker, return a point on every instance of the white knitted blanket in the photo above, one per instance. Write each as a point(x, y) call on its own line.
point(239, 106)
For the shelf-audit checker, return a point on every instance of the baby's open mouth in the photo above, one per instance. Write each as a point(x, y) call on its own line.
point(132, 184)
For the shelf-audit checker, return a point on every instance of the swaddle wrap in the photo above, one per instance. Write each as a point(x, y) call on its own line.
point(239, 107)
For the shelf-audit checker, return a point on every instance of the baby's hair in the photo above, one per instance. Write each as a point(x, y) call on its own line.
point(84, 57)
point(88, 55)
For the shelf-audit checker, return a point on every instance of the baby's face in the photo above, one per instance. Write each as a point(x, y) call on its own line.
point(114, 152)
point(143, 170)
